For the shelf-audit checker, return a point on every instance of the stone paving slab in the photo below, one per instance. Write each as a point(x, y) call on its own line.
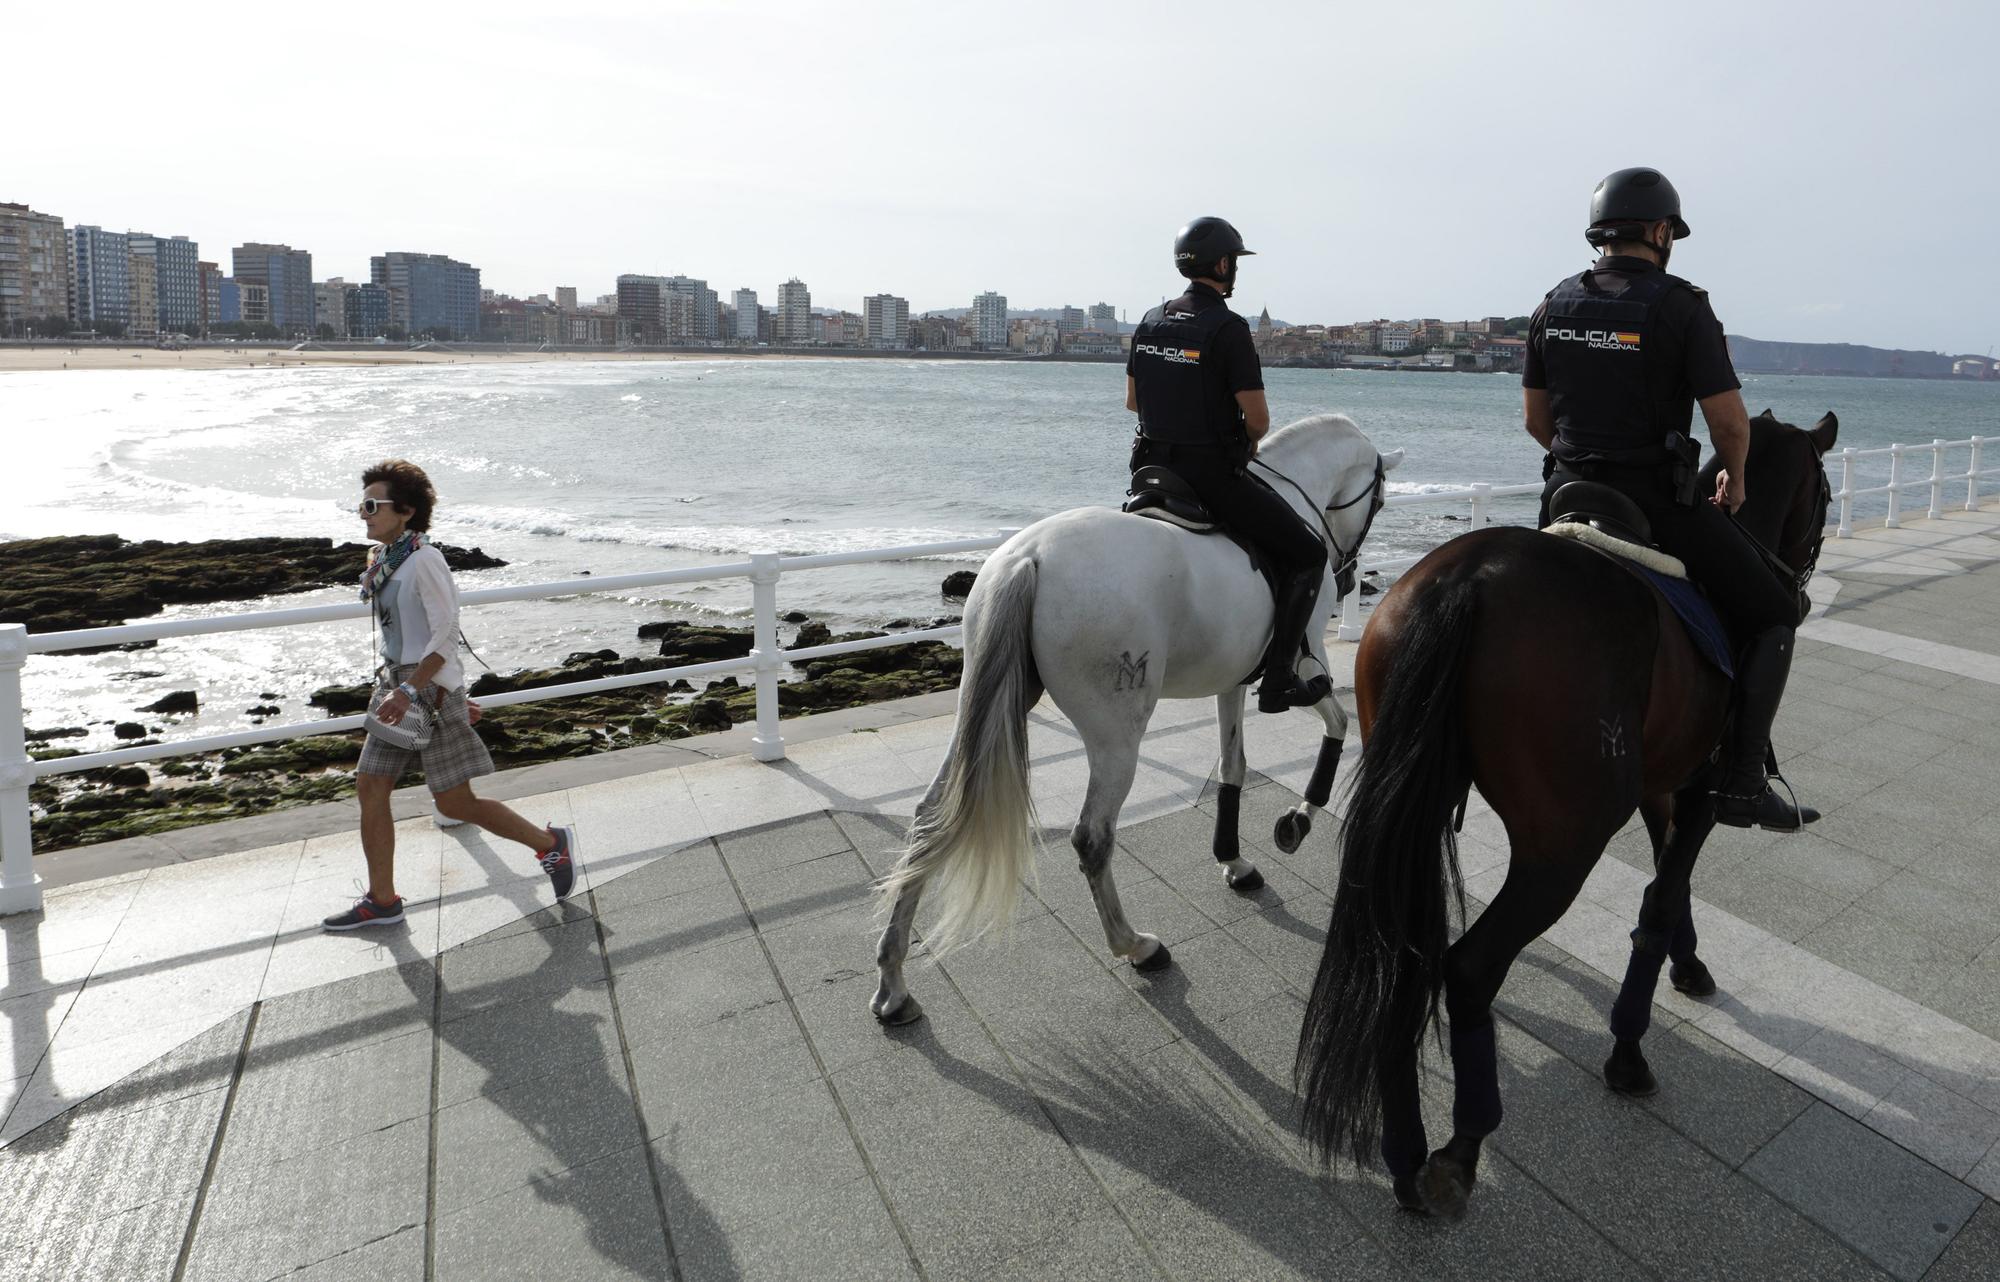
point(712, 1100)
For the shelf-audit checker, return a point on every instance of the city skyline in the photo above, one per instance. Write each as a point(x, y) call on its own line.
point(1381, 163)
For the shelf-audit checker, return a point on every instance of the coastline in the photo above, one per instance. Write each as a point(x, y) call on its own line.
point(26, 358)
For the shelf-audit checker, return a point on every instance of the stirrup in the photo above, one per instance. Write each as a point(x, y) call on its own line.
point(1766, 809)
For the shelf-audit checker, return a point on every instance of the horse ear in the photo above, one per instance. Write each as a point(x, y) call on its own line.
point(1824, 432)
point(1391, 460)
point(1768, 414)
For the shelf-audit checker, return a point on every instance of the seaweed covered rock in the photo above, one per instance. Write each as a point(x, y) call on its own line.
point(101, 580)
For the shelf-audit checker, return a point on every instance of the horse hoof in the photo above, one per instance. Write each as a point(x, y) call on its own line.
point(1291, 831)
point(905, 1013)
point(1627, 1072)
point(1445, 1188)
point(1249, 881)
point(1407, 1196)
point(1158, 959)
point(1692, 979)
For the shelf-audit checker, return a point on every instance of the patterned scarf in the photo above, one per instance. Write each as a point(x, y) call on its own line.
point(384, 561)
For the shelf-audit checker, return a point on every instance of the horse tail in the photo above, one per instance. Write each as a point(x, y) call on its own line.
point(1377, 990)
point(970, 845)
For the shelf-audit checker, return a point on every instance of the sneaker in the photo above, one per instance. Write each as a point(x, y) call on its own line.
point(560, 863)
point(366, 912)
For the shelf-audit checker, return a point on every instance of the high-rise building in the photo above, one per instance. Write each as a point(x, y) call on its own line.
point(330, 306)
point(1105, 317)
point(286, 274)
point(1069, 320)
point(440, 295)
point(367, 310)
point(639, 303)
point(566, 297)
point(885, 320)
point(746, 315)
point(229, 301)
point(697, 321)
point(176, 276)
point(210, 277)
point(142, 296)
point(34, 267)
point(795, 312)
point(254, 300)
point(989, 321)
point(100, 272)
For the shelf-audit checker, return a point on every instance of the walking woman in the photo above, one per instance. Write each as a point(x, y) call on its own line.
point(415, 603)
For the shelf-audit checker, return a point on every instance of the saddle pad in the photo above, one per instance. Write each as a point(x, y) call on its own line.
point(1590, 536)
point(1697, 615)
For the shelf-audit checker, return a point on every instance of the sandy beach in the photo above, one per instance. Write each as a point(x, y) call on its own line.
point(24, 359)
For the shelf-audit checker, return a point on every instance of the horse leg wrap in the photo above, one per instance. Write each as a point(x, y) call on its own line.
point(1228, 804)
point(1320, 787)
point(1475, 1069)
point(1632, 1013)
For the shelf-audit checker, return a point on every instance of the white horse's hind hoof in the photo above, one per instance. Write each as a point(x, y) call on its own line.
point(906, 1011)
point(1151, 955)
point(1291, 830)
point(1242, 876)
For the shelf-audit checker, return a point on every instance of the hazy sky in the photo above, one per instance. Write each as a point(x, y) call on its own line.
point(1837, 161)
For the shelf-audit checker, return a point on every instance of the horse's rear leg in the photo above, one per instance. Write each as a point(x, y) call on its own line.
point(892, 1003)
point(1687, 972)
point(1295, 823)
point(1112, 767)
point(1535, 895)
point(1666, 928)
point(1240, 873)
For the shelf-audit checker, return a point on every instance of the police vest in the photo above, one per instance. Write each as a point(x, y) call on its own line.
point(1181, 396)
point(1594, 349)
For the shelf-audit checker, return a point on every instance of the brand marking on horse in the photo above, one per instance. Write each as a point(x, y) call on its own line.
point(1131, 671)
point(1611, 737)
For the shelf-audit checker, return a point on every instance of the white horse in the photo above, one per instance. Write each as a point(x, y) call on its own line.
point(1110, 613)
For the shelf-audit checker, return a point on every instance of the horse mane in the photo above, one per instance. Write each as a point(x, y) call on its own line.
point(1335, 429)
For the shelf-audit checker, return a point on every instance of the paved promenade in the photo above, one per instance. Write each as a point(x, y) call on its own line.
point(675, 1075)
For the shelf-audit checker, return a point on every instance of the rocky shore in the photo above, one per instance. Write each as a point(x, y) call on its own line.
point(133, 800)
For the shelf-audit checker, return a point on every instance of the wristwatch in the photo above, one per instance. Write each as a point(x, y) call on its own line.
point(410, 690)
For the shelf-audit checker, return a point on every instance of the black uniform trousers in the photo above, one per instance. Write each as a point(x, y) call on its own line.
point(1243, 502)
point(1720, 556)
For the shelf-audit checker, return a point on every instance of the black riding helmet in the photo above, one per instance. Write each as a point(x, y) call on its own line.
point(1627, 201)
point(1203, 244)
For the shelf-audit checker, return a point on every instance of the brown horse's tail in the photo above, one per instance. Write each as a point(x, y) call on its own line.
point(1383, 968)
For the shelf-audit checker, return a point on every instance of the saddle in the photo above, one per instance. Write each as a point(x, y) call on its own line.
point(1606, 521)
point(1160, 494)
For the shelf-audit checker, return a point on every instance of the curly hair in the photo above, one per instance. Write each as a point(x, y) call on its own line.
point(409, 489)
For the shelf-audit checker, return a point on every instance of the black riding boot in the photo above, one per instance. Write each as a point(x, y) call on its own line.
point(1281, 689)
point(1744, 795)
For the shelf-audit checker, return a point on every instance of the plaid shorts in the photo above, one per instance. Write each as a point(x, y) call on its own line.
point(455, 755)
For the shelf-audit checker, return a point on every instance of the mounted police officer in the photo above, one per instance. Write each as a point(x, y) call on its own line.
point(1617, 359)
point(1195, 382)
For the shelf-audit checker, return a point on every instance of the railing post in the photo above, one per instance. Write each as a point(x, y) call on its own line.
point(767, 744)
point(1937, 478)
point(1972, 477)
point(20, 888)
point(1350, 612)
point(1892, 521)
point(1482, 499)
point(1846, 530)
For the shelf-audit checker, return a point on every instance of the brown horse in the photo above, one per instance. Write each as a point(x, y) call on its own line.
point(1563, 688)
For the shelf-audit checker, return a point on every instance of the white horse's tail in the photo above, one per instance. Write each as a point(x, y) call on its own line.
point(971, 846)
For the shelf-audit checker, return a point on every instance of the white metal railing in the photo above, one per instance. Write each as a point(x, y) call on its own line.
point(1480, 496)
point(20, 888)
point(1900, 482)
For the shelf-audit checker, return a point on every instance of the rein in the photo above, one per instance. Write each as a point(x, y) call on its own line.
point(1343, 561)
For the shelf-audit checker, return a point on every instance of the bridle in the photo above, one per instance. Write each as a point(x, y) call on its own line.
point(1815, 539)
point(1342, 560)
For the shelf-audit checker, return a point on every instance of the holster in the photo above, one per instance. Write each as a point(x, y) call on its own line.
point(1684, 468)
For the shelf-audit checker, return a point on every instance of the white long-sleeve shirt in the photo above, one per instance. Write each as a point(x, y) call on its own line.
point(418, 608)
